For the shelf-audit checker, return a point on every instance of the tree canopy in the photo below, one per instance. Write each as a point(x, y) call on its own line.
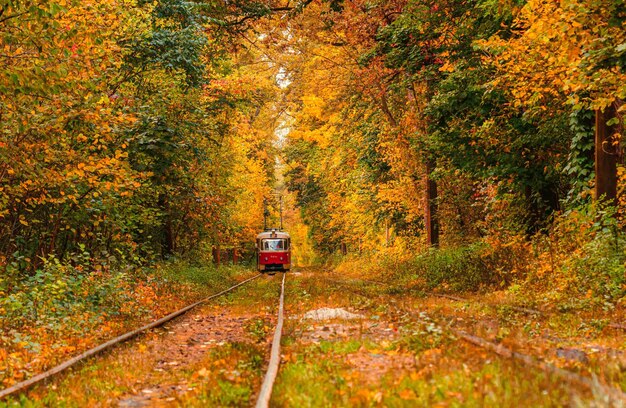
point(143, 129)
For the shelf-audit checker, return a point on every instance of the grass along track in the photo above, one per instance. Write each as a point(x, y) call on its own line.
point(614, 395)
point(24, 385)
point(395, 356)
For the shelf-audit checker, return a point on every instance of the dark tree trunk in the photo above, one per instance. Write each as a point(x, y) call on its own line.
point(430, 206)
point(606, 156)
point(216, 255)
point(167, 241)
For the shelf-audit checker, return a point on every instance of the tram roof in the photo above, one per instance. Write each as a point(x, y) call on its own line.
point(273, 234)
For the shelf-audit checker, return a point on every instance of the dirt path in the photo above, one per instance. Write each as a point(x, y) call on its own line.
point(213, 355)
point(183, 346)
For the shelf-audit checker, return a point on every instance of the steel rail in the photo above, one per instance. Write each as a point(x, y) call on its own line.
point(526, 310)
point(615, 394)
point(518, 309)
point(263, 400)
point(93, 351)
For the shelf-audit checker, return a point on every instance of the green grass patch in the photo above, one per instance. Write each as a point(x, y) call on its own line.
point(234, 372)
point(339, 347)
point(306, 383)
point(493, 385)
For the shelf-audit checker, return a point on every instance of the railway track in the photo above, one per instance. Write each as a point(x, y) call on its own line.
point(269, 378)
point(520, 309)
point(24, 385)
point(616, 397)
point(524, 310)
point(265, 394)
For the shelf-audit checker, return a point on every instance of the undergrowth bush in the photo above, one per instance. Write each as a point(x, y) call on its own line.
point(578, 262)
point(599, 270)
point(465, 268)
point(581, 260)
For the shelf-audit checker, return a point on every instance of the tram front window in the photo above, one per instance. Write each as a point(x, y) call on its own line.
point(274, 244)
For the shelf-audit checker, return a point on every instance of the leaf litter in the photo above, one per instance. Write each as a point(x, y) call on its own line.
point(182, 346)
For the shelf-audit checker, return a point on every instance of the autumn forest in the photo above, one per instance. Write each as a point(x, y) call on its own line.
point(461, 148)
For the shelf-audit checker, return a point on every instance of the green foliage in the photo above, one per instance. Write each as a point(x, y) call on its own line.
point(116, 125)
point(588, 270)
point(200, 272)
point(424, 89)
point(258, 328)
point(175, 43)
point(233, 395)
point(308, 383)
point(578, 263)
point(338, 347)
point(600, 269)
point(62, 306)
point(580, 164)
point(467, 268)
point(240, 365)
point(58, 291)
point(311, 197)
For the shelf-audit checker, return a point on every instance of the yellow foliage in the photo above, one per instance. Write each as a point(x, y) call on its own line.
point(558, 49)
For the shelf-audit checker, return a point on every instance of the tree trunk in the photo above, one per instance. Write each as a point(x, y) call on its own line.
point(216, 255)
point(167, 241)
point(430, 206)
point(606, 156)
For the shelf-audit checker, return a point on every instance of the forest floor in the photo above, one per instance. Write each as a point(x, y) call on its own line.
point(350, 341)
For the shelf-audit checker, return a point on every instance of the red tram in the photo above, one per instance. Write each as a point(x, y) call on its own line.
point(273, 251)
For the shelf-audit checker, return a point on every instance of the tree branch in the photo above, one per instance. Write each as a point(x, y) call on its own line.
point(2, 20)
